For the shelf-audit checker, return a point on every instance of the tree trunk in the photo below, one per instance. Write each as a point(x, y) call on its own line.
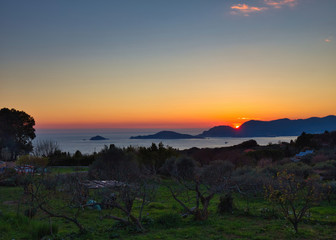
point(295, 225)
point(137, 223)
point(202, 214)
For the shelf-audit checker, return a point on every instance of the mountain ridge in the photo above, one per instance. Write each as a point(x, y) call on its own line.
point(258, 128)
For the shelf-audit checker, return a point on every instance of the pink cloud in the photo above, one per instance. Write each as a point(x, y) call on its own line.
point(246, 9)
point(327, 40)
point(280, 3)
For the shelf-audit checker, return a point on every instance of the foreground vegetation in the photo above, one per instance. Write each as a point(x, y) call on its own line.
point(163, 221)
point(241, 192)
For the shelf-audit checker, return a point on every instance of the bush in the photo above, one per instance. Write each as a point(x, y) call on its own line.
point(39, 230)
point(299, 169)
point(9, 182)
point(32, 160)
point(169, 220)
point(156, 205)
point(30, 212)
point(268, 213)
point(8, 177)
point(147, 221)
point(225, 204)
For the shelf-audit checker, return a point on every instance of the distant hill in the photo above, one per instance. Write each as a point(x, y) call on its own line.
point(280, 127)
point(166, 135)
point(254, 128)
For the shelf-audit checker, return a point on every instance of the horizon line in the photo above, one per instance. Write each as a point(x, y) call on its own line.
point(64, 126)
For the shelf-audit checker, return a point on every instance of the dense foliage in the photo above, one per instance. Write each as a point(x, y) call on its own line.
point(16, 133)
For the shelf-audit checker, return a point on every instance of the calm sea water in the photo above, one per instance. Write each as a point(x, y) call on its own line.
point(71, 140)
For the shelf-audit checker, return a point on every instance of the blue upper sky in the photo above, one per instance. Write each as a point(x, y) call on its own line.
point(39, 29)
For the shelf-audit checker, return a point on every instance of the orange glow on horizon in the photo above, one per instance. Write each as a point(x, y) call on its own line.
point(158, 123)
point(129, 125)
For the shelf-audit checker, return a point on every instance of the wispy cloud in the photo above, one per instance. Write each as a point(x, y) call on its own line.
point(280, 3)
point(245, 9)
point(328, 40)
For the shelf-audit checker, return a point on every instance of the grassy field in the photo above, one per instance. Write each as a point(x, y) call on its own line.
point(67, 169)
point(255, 219)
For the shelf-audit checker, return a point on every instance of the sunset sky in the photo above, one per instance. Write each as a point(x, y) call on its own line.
point(167, 63)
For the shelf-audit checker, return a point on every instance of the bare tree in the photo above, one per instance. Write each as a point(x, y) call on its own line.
point(62, 196)
point(195, 187)
point(249, 183)
point(293, 195)
point(130, 199)
point(45, 148)
point(135, 187)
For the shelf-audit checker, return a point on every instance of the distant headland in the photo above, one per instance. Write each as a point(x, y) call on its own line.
point(255, 128)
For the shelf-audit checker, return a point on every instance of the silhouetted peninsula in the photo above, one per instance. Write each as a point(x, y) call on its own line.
point(275, 128)
point(166, 135)
point(254, 128)
point(97, 138)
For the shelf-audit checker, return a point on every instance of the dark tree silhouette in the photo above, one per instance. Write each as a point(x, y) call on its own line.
point(16, 132)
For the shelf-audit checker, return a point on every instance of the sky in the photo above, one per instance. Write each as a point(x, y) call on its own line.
point(167, 64)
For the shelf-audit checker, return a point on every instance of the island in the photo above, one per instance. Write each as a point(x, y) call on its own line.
point(98, 138)
point(166, 135)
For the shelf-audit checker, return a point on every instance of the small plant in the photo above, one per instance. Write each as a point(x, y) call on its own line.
point(169, 220)
point(147, 221)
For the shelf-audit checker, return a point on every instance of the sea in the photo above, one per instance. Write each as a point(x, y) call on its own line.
point(71, 140)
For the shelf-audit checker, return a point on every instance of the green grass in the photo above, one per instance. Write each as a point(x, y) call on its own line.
point(249, 220)
point(67, 169)
point(14, 226)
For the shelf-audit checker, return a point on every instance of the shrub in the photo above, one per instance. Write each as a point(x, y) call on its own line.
point(319, 158)
point(225, 204)
point(147, 221)
point(30, 212)
point(299, 169)
point(32, 160)
point(8, 177)
point(325, 165)
point(169, 220)
point(156, 205)
point(39, 230)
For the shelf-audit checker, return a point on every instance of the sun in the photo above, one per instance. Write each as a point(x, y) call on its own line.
point(236, 126)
